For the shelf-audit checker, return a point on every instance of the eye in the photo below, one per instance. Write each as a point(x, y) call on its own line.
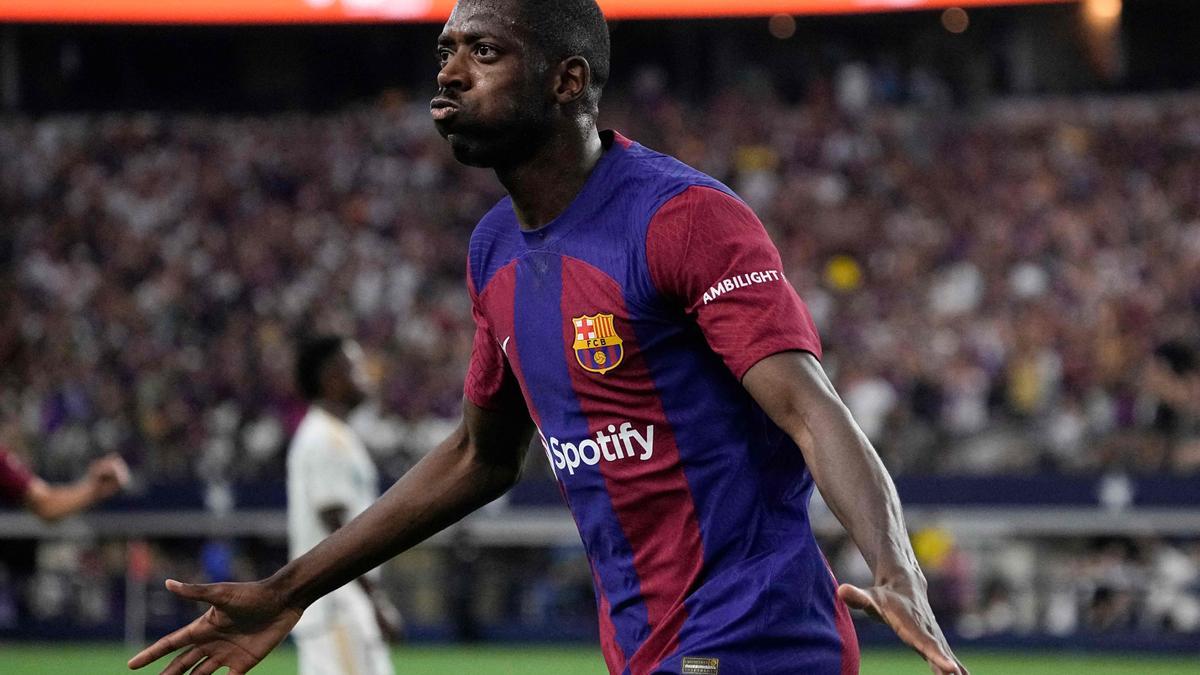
point(443, 55)
point(485, 51)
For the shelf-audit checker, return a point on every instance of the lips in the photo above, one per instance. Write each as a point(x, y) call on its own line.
point(442, 108)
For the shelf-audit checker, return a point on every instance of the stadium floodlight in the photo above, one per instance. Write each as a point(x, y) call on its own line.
point(340, 11)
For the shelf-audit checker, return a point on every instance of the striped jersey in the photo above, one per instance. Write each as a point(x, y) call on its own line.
point(625, 325)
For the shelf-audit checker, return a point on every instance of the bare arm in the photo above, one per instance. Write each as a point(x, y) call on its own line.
point(334, 518)
point(391, 624)
point(106, 476)
point(479, 461)
point(794, 391)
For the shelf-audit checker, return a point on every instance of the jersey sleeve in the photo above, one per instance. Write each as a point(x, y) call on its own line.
point(708, 252)
point(15, 479)
point(490, 382)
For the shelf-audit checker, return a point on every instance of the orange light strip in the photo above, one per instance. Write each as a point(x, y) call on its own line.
point(343, 11)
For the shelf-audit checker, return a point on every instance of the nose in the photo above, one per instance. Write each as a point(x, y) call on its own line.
point(453, 74)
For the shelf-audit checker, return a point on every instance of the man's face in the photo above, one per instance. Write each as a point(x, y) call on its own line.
point(359, 376)
point(493, 103)
point(346, 377)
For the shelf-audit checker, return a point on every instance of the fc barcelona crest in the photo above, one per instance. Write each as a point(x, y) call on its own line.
point(597, 345)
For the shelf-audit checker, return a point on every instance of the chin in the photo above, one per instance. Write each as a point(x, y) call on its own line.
point(469, 153)
point(474, 153)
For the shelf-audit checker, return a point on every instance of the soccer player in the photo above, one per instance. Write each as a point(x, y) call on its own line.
point(332, 479)
point(18, 486)
point(633, 312)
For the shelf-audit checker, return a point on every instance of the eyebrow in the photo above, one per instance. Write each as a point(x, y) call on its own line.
point(467, 37)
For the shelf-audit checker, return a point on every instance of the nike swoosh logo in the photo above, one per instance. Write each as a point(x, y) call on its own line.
point(504, 345)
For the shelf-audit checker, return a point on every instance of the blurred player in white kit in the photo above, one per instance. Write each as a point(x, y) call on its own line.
point(332, 479)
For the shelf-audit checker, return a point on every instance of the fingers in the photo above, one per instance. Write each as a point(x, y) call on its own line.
point(935, 652)
point(108, 466)
point(854, 596)
point(108, 475)
point(906, 621)
point(119, 469)
point(185, 660)
point(859, 599)
point(959, 668)
point(180, 638)
point(939, 671)
point(209, 667)
point(186, 636)
point(210, 593)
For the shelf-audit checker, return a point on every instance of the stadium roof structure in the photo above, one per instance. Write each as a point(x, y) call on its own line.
point(369, 11)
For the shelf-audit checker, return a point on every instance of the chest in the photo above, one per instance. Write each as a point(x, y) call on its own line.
point(578, 338)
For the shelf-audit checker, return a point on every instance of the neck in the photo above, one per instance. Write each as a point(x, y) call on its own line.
point(338, 410)
point(544, 185)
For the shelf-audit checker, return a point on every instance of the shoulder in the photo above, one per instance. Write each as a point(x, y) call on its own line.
point(643, 189)
point(676, 198)
point(699, 212)
point(494, 243)
point(658, 178)
point(315, 433)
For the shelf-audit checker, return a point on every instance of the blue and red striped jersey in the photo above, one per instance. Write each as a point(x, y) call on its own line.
point(626, 324)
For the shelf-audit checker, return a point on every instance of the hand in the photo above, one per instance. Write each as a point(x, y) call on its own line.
point(902, 605)
point(391, 622)
point(245, 622)
point(108, 476)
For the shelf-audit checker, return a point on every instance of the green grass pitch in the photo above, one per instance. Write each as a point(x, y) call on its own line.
point(529, 660)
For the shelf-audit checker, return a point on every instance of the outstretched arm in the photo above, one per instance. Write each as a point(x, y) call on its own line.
point(391, 623)
point(478, 462)
point(794, 391)
point(709, 253)
point(105, 477)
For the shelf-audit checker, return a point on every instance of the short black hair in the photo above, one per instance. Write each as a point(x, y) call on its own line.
point(565, 28)
point(311, 357)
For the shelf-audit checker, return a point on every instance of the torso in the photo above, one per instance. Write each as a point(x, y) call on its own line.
point(682, 489)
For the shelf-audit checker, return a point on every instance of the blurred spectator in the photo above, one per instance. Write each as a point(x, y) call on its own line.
point(989, 282)
point(105, 477)
point(1171, 381)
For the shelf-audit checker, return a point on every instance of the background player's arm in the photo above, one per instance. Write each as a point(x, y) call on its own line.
point(105, 477)
point(793, 389)
point(386, 615)
point(480, 461)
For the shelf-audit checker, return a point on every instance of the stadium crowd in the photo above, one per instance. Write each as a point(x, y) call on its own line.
point(1025, 586)
point(1013, 288)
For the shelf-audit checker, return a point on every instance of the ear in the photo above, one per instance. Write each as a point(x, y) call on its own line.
point(573, 77)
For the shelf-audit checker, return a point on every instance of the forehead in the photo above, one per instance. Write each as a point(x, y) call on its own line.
point(497, 18)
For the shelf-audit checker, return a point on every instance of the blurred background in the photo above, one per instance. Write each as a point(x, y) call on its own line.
point(993, 213)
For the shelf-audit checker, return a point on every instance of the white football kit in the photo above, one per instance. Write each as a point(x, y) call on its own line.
point(328, 467)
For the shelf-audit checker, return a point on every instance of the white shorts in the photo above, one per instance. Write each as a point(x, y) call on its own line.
point(351, 644)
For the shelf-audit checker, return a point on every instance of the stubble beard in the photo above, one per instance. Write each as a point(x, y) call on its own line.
point(507, 142)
